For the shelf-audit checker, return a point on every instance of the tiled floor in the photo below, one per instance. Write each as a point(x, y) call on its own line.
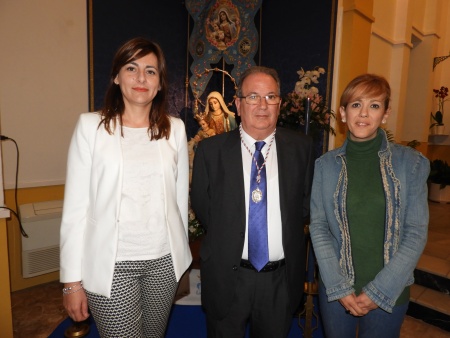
point(37, 311)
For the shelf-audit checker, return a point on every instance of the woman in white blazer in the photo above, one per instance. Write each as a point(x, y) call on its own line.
point(124, 235)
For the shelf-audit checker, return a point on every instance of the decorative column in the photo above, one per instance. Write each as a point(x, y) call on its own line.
point(357, 19)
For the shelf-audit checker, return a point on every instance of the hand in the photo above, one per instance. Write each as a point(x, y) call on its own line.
point(76, 304)
point(351, 305)
point(365, 302)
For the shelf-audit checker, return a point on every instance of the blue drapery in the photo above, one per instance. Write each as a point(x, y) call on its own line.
point(222, 29)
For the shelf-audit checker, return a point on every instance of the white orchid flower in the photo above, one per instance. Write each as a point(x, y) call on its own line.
point(301, 72)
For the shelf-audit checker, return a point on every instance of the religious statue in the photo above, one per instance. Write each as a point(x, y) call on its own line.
point(205, 131)
point(218, 116)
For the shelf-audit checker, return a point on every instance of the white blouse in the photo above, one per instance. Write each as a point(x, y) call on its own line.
point(142, 227)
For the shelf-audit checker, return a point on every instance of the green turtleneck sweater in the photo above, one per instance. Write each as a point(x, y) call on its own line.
point(366, 209)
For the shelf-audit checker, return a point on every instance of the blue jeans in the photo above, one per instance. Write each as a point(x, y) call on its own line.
point(377, 323)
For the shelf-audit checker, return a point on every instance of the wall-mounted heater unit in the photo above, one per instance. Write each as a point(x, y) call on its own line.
point(40, 251)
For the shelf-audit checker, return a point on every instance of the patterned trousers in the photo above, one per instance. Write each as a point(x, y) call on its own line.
point(141, 298)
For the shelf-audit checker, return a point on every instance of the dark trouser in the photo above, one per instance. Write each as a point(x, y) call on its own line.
point(261, 299)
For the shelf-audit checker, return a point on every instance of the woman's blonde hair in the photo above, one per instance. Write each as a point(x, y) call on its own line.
point(370, 85)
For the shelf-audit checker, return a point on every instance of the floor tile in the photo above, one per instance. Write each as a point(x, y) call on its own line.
point(416, 291)
point(434, 265)
point(435, 300)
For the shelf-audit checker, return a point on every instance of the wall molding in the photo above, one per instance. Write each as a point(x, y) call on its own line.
point(360, 12)
point(381, 35)
point(35, 184)
point(419, 34)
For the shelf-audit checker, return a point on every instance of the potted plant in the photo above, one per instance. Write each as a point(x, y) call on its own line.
point(304, 108)
point(438, 117)
point(438, 120)
point(439, 181)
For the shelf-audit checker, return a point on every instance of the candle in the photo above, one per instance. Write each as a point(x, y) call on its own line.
point(307, 115)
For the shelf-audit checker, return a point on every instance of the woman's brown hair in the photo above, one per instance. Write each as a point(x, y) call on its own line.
point(114, 105)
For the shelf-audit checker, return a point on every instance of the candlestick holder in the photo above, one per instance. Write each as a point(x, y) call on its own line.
point(78, 329)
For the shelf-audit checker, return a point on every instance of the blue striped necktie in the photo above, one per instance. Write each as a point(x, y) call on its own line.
point(258, 247)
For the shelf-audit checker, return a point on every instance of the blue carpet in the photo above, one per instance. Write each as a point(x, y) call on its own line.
point(186, 322)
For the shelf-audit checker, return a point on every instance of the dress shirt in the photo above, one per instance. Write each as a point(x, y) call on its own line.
point(273, 196)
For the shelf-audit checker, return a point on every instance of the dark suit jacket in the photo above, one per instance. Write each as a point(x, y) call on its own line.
point(217, 198)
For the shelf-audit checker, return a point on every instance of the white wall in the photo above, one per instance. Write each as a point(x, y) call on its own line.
point(442, 70)
point(406, 36)
point(43, 85)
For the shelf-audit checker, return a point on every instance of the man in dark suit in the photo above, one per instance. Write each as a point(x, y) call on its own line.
point(229, 179)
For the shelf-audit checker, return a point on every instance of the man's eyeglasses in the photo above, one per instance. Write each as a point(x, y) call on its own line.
point(256, 99)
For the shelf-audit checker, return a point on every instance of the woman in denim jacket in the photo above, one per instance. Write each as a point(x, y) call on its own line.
point(369, 219)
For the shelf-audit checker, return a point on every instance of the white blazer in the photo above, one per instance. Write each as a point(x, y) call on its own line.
point(89, 227)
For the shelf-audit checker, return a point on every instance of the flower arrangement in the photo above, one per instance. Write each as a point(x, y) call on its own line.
point(194, 226)
point(294, 107)
point(438, 117)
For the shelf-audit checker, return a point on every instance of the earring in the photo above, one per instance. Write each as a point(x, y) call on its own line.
point(344, 120)
point(383, 122)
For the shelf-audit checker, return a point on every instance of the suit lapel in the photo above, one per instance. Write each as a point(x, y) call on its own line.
point(232, 163)
point(284, 157)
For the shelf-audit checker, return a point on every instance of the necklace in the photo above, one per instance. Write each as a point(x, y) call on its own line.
point(257, 194)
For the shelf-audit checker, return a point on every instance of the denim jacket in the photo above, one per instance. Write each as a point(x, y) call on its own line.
point(404, 173)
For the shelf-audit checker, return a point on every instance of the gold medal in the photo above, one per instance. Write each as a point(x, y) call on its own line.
point(257, 195)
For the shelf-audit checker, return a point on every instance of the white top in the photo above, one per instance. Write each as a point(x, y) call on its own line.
point(142, 226)
point(274, 233)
